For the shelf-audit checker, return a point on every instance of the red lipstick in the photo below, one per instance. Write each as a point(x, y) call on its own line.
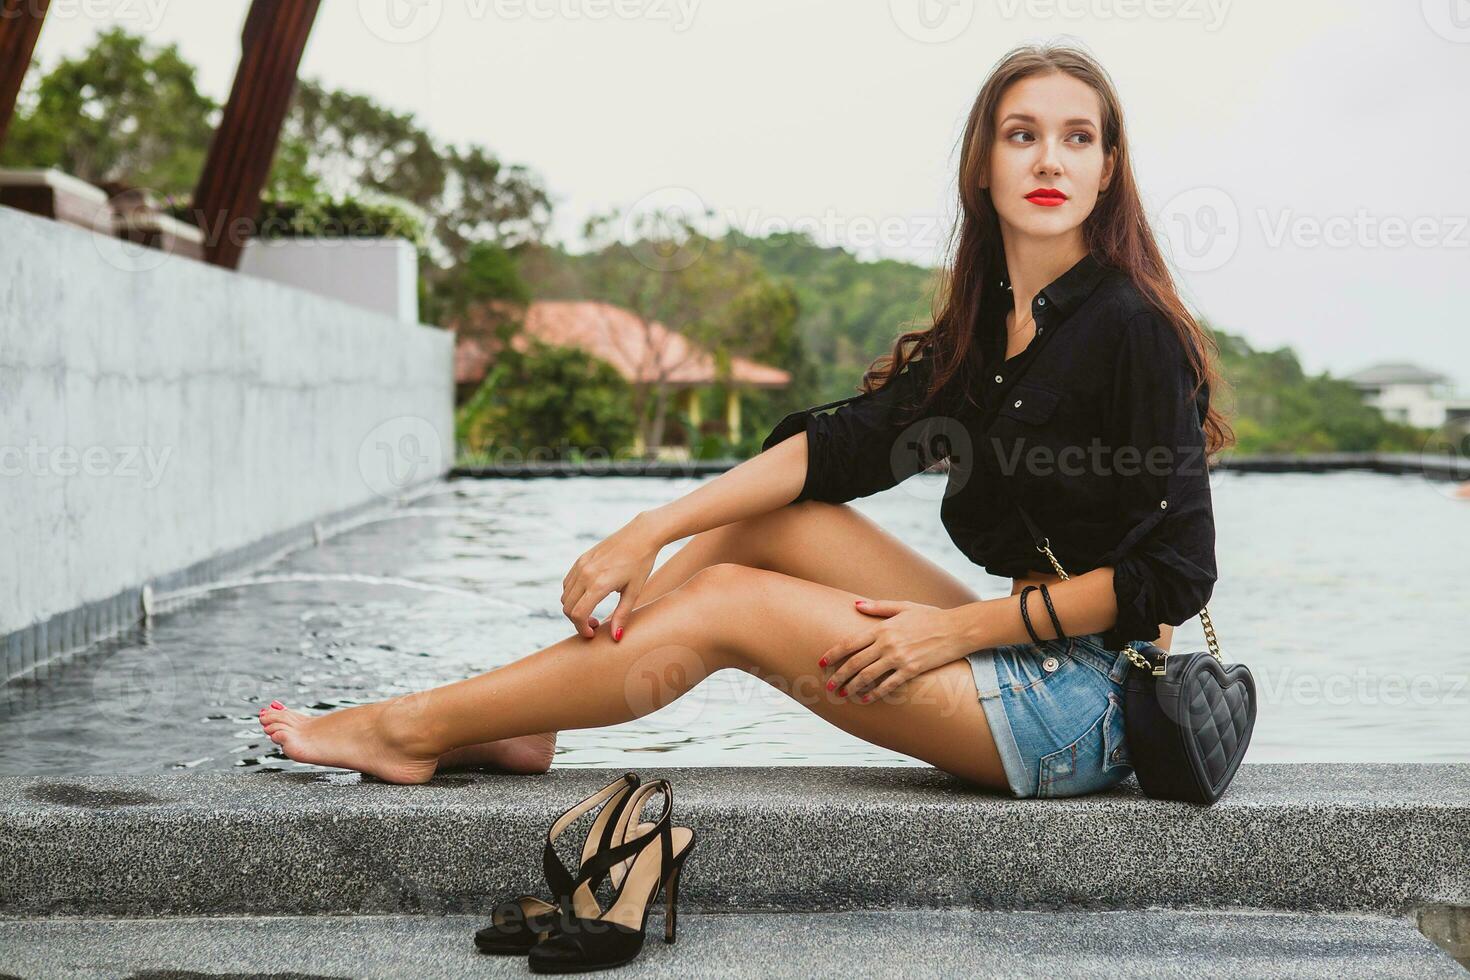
point(1047, 197)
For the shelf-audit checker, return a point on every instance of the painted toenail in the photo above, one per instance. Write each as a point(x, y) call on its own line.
point(277, 705)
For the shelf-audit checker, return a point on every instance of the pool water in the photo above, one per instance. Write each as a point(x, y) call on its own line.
point(1343, 592)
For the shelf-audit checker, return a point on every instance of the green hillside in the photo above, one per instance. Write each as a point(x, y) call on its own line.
point(852, 311)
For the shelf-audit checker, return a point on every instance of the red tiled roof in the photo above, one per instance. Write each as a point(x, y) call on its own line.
point(637, 350)
point(471, 361)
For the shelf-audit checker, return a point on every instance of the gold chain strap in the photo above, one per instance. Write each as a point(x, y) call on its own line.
point(1138, 659)
point(1210, 641)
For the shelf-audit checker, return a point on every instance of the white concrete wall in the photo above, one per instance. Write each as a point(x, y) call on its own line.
point(156, 412)
point(379, 274)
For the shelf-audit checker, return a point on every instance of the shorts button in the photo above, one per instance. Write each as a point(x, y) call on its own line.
point(1049, 664)
point(1117, 754)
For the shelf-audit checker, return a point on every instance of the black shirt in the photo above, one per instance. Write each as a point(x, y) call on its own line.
point(1092, 428)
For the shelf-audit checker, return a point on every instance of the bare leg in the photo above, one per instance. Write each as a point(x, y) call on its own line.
point(769, 624)
point(831, 544)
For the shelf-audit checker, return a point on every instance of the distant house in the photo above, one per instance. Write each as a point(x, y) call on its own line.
point(1410, 394)
point(641, 351)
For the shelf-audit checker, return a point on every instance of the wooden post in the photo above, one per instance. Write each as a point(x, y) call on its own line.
point(227, 200)
point(20, 25)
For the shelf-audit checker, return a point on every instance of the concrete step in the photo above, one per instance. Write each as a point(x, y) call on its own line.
point(1380, 839)
point(912, 943)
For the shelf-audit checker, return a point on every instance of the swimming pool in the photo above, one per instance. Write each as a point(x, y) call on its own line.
point(1344, 592)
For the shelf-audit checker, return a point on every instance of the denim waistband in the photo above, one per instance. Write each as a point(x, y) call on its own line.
point(1114, 663)
point(1086, 647)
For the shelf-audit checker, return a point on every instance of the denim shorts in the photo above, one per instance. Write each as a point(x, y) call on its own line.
point(1056, 713)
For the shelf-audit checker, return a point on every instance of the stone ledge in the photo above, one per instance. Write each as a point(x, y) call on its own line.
point(1378, 838)
point(928, 943)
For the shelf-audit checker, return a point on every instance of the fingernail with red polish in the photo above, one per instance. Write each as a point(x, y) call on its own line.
point(843, 692)
point(867, 698)
point(618, 634)
point(822, 662)
point(831, 684)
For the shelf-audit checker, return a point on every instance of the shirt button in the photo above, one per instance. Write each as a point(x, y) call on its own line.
point(1017, 404)
point(1049, 664)
point(1163, 505)
point(1117, 754)
point(1041, 301)
point(997, 379)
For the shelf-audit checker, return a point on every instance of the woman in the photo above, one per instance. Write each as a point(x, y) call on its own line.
point(1062, 372)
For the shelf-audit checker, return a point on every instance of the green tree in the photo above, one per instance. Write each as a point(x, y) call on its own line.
point(350, 143)
point(669, 273)
point(1276, 407)
point(851, 310)
point(291, 178)
point(123, 111)
point(547, 402)
point(489, 272)
point(340, 142)
point(485, 200)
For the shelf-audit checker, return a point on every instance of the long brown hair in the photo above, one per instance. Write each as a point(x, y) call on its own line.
point(1117, 232)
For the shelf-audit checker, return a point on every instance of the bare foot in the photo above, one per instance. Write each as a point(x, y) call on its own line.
point(368, 738)
point(521, 754)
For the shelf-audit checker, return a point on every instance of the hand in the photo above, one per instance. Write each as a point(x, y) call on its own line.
point(910, 639)
point(620, 563)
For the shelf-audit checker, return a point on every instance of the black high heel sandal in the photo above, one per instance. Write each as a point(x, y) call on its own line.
point(520, 923)
point(610, 938)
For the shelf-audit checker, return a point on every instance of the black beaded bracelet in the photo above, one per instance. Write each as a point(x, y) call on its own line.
point(1052, 612)
point(1025, 616)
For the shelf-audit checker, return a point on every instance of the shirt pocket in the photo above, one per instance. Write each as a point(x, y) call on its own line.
point(1030, 404)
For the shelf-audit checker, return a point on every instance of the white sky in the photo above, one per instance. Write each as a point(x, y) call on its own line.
point(1259, 127)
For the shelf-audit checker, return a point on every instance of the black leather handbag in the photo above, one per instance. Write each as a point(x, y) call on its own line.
point(1188, 717)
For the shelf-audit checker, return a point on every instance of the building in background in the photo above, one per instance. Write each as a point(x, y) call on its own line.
point(1410, 394)
point(642, 351)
